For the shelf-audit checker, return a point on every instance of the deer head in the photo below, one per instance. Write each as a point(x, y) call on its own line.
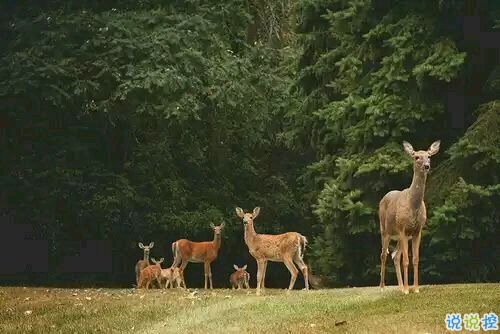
point(247, 217)
point(239, 269)
point(422, 159)
point(157, 262)
point(217, 229)
point(146, 248)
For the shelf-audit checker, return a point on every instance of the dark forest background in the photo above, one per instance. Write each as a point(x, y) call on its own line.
point(125, 121)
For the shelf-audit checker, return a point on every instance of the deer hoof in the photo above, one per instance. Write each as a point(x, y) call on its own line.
point(416, 290)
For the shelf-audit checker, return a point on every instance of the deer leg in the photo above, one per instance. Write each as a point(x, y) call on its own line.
point(397, 265)
point(210, 276)
point(264, 275)
point(404, 243)
point(293, 272)
point(206, 268)
point(247, 285)
point(302, 266)
point(183, 266)
point(260, 267)
point(415, 245)
point(383, 259)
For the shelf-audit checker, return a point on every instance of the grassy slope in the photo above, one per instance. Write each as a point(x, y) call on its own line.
point(365, 310)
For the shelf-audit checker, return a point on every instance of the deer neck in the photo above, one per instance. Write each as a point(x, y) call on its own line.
point(216, 241)
point(417, 189)
point(146, 257)
point(249, 234)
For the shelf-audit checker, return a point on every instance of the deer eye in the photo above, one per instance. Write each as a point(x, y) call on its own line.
point(417, 158)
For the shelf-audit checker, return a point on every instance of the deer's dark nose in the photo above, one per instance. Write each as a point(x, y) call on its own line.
point(427, 166)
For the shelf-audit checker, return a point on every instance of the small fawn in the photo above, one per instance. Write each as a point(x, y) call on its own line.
point(240, 277)
point(172, 275)
point(150, 273)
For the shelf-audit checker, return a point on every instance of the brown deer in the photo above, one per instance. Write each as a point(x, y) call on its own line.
point(240, 277)
point(402, 216)
point(141, 264)
point(286, 247)
point(150, 273)
point(205, 252)
point(172, 275)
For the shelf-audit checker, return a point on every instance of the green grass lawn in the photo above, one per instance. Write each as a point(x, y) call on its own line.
point(354, 310)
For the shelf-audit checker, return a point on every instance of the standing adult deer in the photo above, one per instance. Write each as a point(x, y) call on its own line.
point(141, 264)
point(286, 247)
point(402, 216)
point(205, 252)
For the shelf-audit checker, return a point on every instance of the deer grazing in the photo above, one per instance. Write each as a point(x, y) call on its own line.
point(205, 252)
point(240, 277)
point(402, 216)
point(150, 273)
point(172, 275)
point(286, 247)
point(141, 264)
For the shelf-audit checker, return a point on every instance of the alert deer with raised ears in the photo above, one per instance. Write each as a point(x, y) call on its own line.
point(205, 252)
point(402, 216)
point(286, 247)
point(141, 264)
point(240, 278)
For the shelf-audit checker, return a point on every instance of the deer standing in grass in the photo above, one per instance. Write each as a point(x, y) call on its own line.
point(205, 252)
point(172, 275)
point(286, 247)
point(402, 216)
point(150, 273)
point(141, 264)
point(240, 277)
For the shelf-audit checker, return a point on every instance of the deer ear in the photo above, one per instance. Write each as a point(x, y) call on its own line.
point(244, 267)
point(434, 148)
point(212, 225)
point(141, 246)
point(222, 225)
point(235, 267)
point(151, 244)
point(256, 212)
point(153, 259)
point(408, 148)
point(161, 260)
point(239, 212)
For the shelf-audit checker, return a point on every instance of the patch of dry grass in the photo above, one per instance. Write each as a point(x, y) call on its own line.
point(363, 310)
